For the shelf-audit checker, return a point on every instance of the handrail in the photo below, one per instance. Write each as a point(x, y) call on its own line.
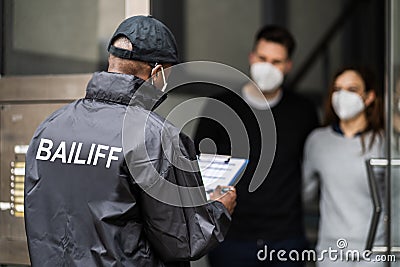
point(323, 43)
point(376, 200)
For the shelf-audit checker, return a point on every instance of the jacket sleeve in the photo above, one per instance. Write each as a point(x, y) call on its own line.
point(310, 174)
point(179, 223)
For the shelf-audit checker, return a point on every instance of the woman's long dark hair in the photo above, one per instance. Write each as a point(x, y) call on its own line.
point(374, 112)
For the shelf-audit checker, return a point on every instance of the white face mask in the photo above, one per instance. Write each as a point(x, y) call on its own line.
point(347, 104)
point(266, 76)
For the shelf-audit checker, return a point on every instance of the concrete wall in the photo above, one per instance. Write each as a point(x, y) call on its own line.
point(221, 31)
point(308, 21)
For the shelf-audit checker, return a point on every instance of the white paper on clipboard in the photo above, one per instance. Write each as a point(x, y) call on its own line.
point(220, 170)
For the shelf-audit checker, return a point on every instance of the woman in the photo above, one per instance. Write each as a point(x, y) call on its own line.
point(335, 157)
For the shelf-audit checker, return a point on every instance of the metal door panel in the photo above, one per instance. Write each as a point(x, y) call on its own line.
point(24, 103)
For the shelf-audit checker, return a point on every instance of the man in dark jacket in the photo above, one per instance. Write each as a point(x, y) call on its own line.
point(270, 215)
point(109, 182)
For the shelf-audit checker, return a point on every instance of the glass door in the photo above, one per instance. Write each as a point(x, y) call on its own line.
point(393, 126)
point(390, 252)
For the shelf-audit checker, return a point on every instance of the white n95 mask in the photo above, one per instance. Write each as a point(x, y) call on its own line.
point(266, 76)
point(347, 104)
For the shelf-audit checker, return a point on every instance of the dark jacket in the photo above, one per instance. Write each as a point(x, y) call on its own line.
point(101, 194)
point(281, 215)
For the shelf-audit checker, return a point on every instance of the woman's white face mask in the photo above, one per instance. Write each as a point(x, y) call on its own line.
point(347, 105)
point(266, 76)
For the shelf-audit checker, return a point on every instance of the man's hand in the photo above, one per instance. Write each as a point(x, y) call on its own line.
point(226, 195)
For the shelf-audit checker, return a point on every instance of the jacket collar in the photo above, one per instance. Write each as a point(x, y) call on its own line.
point(124, 89)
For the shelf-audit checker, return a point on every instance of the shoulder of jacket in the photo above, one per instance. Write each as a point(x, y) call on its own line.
point(51, 117)
point(160, 125)
point(319, 133)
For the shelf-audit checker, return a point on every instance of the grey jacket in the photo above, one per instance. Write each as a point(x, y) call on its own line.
point(335, 165)
point(103, 185)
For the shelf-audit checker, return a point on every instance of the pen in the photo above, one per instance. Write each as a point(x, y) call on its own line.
point(226, 189)
point(223, 190)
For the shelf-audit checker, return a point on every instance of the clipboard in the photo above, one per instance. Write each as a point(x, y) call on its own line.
point(220, 170)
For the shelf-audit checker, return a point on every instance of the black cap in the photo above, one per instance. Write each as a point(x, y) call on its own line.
point(152, 41)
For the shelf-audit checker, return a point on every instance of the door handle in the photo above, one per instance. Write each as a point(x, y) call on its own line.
point(375, 195)
point(376, 199)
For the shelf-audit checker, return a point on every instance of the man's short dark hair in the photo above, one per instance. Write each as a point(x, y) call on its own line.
point(278, 35)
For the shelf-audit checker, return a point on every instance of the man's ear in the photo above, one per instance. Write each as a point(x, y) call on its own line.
point(371, 96)
point(288, 66)
point(156, 70)
point(251, 58)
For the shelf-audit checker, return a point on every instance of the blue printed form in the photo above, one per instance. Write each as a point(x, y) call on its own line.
point(220, 170)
